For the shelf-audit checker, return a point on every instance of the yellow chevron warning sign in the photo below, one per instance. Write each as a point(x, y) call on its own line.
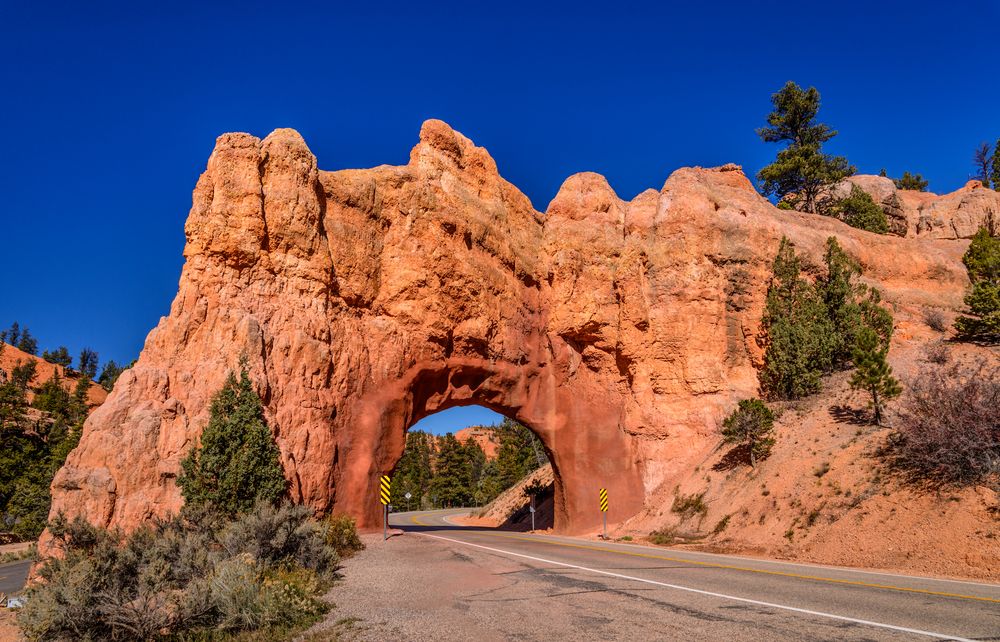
point(384, 489)
point(603, 496)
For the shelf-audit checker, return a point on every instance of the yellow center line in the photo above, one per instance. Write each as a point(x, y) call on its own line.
point(731, 567)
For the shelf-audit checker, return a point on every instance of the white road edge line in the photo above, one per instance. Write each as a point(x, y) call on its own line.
point(741, 558)
point(843, 618)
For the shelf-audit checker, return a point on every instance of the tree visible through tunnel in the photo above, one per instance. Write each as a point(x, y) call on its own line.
point(467, 467)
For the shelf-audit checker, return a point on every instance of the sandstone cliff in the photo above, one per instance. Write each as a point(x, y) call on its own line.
point(620, 331)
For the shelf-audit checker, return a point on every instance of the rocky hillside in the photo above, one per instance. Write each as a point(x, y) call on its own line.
point(510, 509)
point(483, 436)
point(957, 215)
point(621, 332)
point(10, 357)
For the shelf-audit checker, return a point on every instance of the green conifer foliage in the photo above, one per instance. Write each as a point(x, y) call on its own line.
point(860, 211)
point(872, 372)
point(982, 260)
point(801, 339)
point(237, 462)
point(800, 169)
point(453, 482)
point(812, 327)
point(910, 181)
point(995, 166)
point(751, 425)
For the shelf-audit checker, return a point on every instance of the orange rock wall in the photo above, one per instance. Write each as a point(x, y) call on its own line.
point(619, 331)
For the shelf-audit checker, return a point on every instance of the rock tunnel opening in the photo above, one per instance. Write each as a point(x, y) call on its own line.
point(580, 435)
point(470, 456)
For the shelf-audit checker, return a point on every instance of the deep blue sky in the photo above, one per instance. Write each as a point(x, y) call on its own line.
point(109, 112)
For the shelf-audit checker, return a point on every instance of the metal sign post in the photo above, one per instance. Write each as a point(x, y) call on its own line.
point(408, 496)
point(532, 512)
point(602, 497)
point(385, 485)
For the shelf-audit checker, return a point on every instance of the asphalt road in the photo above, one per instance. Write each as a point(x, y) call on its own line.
point(658, 593)
point(13, 576)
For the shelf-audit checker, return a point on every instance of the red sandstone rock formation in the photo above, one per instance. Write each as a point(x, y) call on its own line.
point(619, 331)
point(483, 436)
point(957, 215)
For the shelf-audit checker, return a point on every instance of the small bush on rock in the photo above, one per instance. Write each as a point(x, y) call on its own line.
point(860, 211)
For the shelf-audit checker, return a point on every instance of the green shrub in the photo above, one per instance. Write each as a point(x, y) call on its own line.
point(721, 525)
point(752, 426)
point(184, 577)
point(663, 537)
point(688, 506)
point(860, 211)
point(342, 535)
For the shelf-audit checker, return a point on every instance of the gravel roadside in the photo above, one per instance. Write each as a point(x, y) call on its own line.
point(416, 588)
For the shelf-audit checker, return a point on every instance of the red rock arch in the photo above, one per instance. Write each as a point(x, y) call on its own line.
point(583, 460)
point(621, 332)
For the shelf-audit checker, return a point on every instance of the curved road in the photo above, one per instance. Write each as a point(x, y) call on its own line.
point(13, 575)
point(721, 596)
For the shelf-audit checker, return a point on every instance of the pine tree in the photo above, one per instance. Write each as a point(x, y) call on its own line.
point(801, 337)
point(751, 425)
point(413, 473)
point(27, 343)
point(872, 372)
point(913, 182)
point(109, 375)
point(23, 374)
point(20, 338)
point(87, 363)
point(452, 484)
point(11, 335)
point(237, 463)
point(519, 452)
point(59, 356)
point(477, 468)
point(982, 260)
point(813, 328)
point(995, 168)
point(13, 406)
point(982, 161)
point(54, 399)
point(850, 305)
point(801, 169)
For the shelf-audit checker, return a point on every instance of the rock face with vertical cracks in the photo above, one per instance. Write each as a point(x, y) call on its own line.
point(620, 332)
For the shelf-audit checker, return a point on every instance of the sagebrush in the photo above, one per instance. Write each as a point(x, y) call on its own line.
point(188, 577)
point(949, 431)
